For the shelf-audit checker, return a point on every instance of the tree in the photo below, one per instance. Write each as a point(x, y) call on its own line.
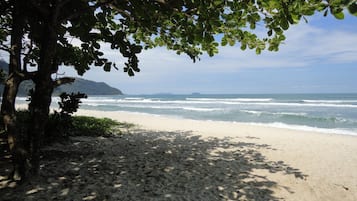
point(13, 25)
point(41, 33)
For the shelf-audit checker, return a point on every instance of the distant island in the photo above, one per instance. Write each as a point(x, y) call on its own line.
point(79, 85)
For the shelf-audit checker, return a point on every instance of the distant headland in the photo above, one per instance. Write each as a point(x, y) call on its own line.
point(79, 85)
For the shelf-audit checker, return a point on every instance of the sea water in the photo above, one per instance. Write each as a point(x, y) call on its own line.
point(328, 113)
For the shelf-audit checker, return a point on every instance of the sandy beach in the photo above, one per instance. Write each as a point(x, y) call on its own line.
point(167, 158)
point(299, 165)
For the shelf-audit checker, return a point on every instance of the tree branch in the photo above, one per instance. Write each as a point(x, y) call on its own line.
point(63, 80)
point(123, 13)
point(161, 1)
point(23, 75)
point(4, 48)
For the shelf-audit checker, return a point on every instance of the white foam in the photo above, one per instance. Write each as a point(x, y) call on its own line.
point(308, 128)
point(274, 113)
point(330, 101)
point(202, 109)
point(231, 99)
point(158, 107)
point(253, 112)
point(291, 113)
point(299, 104)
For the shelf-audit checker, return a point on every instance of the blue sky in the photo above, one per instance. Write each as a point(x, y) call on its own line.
point(318, 57)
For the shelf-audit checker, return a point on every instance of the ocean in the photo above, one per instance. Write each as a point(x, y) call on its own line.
point(327, 113)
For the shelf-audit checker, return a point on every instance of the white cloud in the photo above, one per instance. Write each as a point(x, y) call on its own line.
point(306, 46)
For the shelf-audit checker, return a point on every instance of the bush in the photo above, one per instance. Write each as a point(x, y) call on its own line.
point(69, 103)
point(91, 126)
point(60, 124)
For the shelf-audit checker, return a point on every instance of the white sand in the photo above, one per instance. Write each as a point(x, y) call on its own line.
point(313, 166)
point(169, 158)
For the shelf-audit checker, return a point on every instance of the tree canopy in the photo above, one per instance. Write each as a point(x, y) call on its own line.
point(185, 26)
point(47, 33)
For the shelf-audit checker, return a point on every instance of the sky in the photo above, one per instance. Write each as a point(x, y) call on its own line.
point(317, 57)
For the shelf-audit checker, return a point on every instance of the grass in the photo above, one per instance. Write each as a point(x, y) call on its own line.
point(61, 127)
point(92, 126)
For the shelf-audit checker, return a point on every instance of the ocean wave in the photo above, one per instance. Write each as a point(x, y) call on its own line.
point(132, 98)
point(146, 101)
point(202, 109)
point(231, 99)
point(254, 112)
point(330, 101)
point(308, 128)
point(199, 109)
point(22, 98)
point(300, 117)
point(299, 104)
point(94, 104)
point(218, 101)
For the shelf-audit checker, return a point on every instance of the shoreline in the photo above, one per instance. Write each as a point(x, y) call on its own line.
point(277, 125)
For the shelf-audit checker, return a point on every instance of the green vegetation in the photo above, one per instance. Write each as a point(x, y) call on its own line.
point(59, 129)
point(62, 124)
point(91, 126)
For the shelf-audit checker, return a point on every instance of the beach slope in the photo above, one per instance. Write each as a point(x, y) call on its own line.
point(293, 165)
point(166, 158)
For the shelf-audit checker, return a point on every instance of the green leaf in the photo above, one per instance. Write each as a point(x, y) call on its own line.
point(284, 24)
point(137, 49)
point(130, 72)
point(224, 41)
point(310, 11)
point(243, 46)
point(252, 25)
point(96, 45)
point(258, 51)
point(107, 66)
point(353, 9)
point(321, 6)
point(231, 42)
point(296, 18)
point(339, 15)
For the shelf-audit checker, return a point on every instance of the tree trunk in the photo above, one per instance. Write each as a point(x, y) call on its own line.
point(15, 141)
point(41, 97)
point(39, 110)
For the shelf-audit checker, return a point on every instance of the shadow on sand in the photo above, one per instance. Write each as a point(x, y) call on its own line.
point(148, 165)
